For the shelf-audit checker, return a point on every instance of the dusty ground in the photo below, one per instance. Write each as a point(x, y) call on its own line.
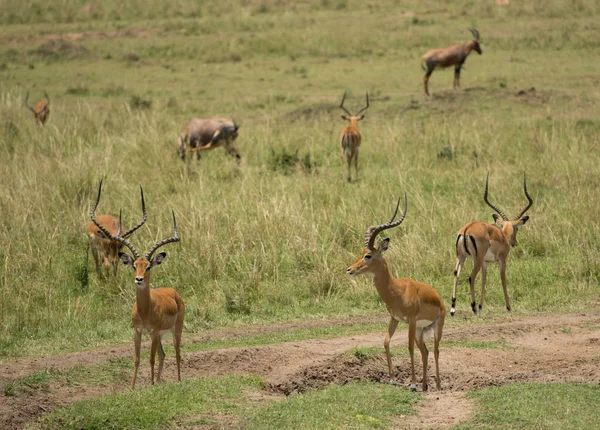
point(539, 348)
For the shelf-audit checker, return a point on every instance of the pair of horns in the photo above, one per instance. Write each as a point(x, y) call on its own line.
point(502, 214)
point(475, 33)
point(123, 238)
point(357, 113)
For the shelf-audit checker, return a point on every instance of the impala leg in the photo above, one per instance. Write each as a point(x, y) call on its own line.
point(504, 287)
point(412, 329)
point(155, 344)
point(349, 159)
point(424, 355)
point(137, 342)
point(457, 77)
point(386, 344)
point(437, 336)
point(476, 268)
point(426, 81)
point(161, 360)
point(460, 260)
point(356, 163)
point(177, 344)
point(483, 280)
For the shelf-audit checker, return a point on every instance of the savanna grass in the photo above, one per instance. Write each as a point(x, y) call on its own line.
point(261, 244)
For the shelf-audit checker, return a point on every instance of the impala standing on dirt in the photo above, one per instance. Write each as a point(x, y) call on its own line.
point(453, 55)
point(41, 111)
point(350, 137)
point(156, 311)
point(486, 243)
point(104, 248)
point(202, 134)
point(406, 300)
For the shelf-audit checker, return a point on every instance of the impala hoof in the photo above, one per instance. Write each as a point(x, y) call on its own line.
point(393, 382)
point(413, 388)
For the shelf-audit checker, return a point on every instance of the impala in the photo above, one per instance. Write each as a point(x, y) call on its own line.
point(105, 249)
point(453, 55)
point(350, 137)
point(202, 134)
point(487, 243)
point(406, 300)
point(41, 111)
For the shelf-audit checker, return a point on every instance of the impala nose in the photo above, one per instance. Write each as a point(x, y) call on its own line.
point(139, 280)
point(349, 271)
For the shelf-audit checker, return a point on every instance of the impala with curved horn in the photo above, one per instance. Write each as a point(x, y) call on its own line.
point(101, 230)
point(453, 55)
point(406, 300)
point(155, 311)
point(350, 137)
point(41, 111)
point(487, 243)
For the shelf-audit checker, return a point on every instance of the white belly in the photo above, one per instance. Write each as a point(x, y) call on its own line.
point(423, 323)
point(490, 257)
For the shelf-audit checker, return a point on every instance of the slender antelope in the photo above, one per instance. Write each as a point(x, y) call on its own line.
point(350, 137)
point(155, 311)
point(453, 55)
point(202, 134)
point(406, 300)
point(487, 243)
point(104, 248)
point(41, 111)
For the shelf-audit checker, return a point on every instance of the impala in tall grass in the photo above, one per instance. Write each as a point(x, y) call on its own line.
point(488, 243)
point(104, 248)
point(350, 137)
point(202, 134)
point(453, 55)
point(406, 300)
point(155, 311)
point(41, 110)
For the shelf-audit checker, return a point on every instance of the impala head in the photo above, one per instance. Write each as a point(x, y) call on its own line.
point(142, 265)
point(509, 227)
point(111, 247)
point(356, 117)
point(475, 41)
point(40, 112)
point(371, 256)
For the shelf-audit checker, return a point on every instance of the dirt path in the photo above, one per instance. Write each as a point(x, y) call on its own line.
point(539, 348)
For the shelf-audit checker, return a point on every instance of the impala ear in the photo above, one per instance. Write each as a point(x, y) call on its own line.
point(498, 219)
point(345, 117)
point(158, 259)
point(384, 244)
point(361, 117)
point(126, 259)
point(523, 220)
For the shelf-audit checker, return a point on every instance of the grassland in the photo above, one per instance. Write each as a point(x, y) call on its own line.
point(269, 239)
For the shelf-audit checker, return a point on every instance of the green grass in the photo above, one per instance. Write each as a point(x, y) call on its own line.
point(266, 240)
point(358, 405)
point(155, 407)
point(537, 406)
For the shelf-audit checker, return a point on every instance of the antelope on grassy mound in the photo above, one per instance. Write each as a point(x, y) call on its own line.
point(350, 137)
point(487, 243)
point(453, 55)
point(41, 110)
point(104, 248)
point(155, 311)
point(202, 134)
point(406, 300)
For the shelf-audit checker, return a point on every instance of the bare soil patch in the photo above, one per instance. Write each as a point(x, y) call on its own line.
point(544, 348)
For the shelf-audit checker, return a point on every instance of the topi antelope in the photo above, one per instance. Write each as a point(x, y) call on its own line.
point(41, 111)
point(155, 311)
point(350, 137)
point(207, 133)
point(453, 55)
point(406, 300)
point(486, 243)
point(105, 249)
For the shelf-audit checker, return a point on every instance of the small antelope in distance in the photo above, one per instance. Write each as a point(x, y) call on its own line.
point(202, 134)
point(105, 249)
point(453, 55)
point(350, 137)
point(155, 311)
point(486, 243)
point(406, 300)
point(41, 111)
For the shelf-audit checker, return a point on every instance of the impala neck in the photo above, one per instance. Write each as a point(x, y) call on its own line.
point(143, 296)
point(383, 280)
point(354, 122)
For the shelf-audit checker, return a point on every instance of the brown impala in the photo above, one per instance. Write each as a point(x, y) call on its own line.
point(350, 137)
point(156, 311)
point(41, 110)
point(487, 243)
point(412, 302)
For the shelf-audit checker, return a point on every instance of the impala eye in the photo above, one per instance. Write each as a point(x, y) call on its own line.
point(367, 256)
